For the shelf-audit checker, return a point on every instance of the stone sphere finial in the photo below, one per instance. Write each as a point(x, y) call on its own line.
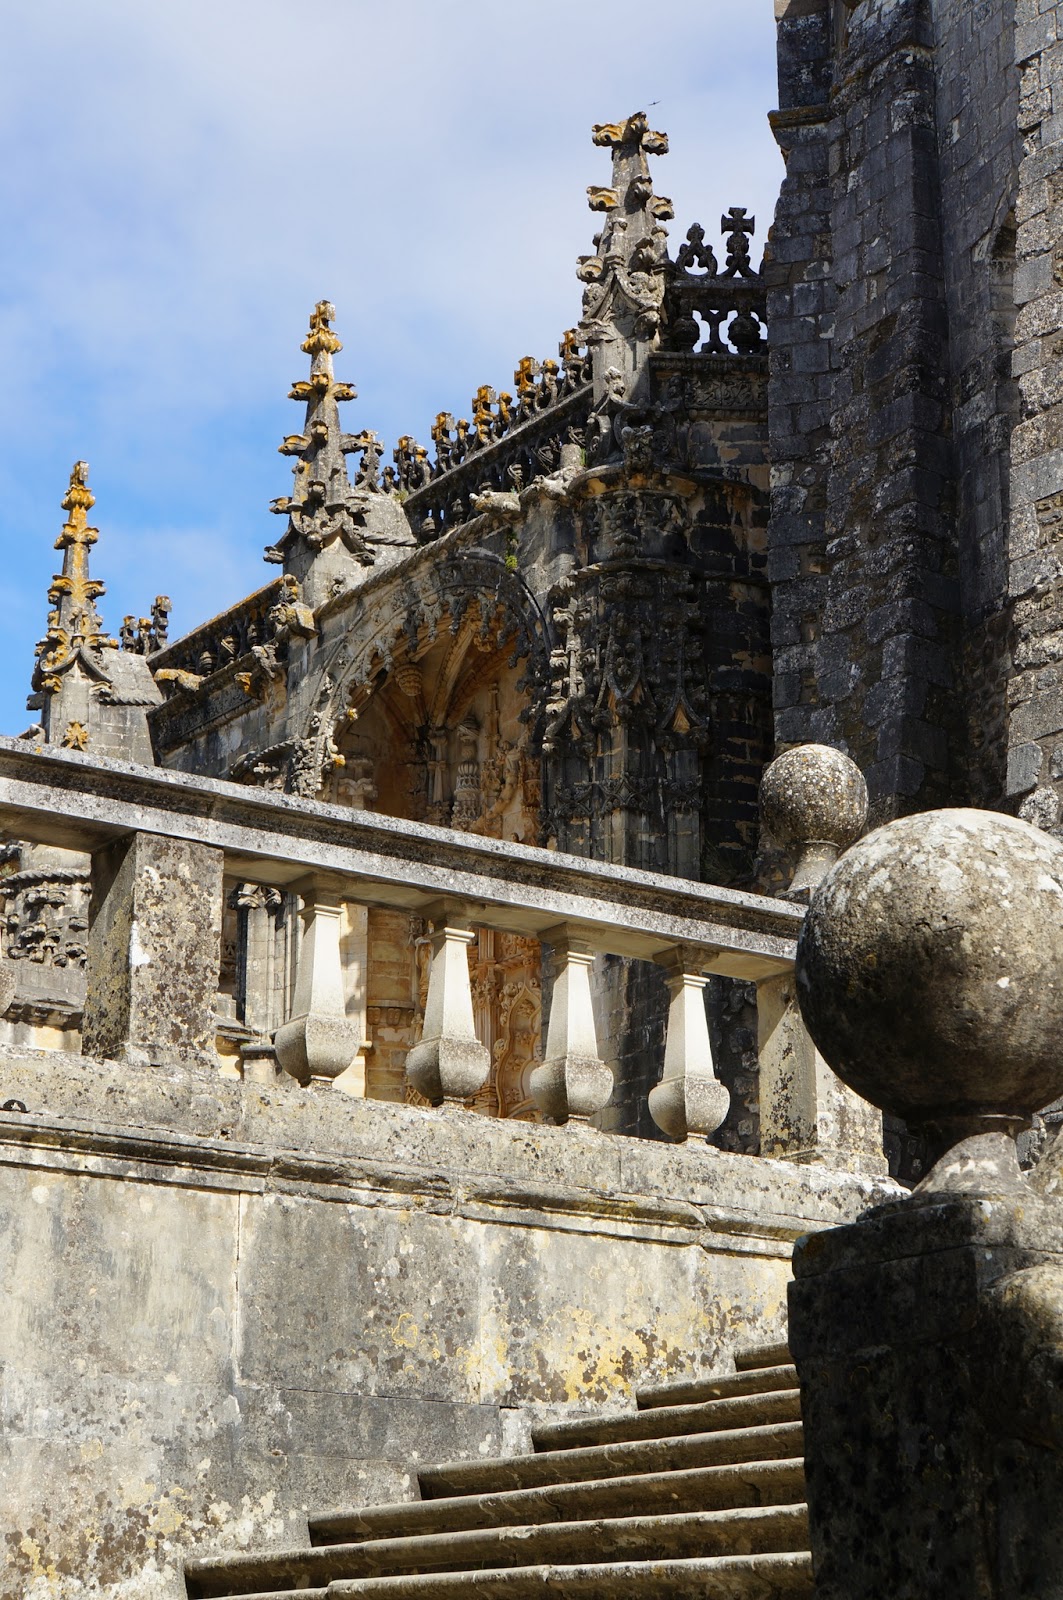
point(813, 799)
point(930, 976)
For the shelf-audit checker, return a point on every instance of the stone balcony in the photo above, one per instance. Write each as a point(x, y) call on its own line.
point(163, 846)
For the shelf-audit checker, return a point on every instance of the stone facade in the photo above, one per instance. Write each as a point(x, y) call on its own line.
point(905, 534)
point(460, 812)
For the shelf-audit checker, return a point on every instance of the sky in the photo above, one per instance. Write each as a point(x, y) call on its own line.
point(183, 182)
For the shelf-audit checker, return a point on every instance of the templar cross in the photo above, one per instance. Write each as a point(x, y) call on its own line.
point(739, 228)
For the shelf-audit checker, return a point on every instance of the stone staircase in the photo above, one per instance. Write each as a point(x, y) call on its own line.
point(699, 1493)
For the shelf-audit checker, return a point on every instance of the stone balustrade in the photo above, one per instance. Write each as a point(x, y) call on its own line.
point(162, 844)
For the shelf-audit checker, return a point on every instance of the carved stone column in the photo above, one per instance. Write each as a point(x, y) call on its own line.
point(573, 1081)
point(318, 1042)
point(154, 952)
point(449, 1062)
point(689, 1098)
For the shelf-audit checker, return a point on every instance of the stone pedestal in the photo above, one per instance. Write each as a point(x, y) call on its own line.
point(154, 952)
point(806, 1111)
point(929, 1342)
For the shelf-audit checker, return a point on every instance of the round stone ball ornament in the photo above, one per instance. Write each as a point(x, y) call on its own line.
point(930, 972)
point(813, 800)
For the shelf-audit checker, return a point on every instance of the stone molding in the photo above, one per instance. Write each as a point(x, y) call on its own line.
point(279, 1140)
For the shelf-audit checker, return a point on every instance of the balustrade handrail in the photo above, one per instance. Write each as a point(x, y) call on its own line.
point(66, 798)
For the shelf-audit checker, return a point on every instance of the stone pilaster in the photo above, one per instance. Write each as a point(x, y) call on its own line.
point(1035, 693)
point(154, 951)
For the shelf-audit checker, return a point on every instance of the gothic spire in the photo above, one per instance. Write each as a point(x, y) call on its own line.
point(75, 627)
point(323, 507)
point(625, 278)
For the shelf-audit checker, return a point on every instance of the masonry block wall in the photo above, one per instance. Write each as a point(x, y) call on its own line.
point(979, 147)
point(893, 402)
point(1035, 698)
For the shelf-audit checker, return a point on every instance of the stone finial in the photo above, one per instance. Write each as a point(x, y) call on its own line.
point(930, 975)
point(624, 280)
point(322, 509)
point(75, 629)
point(74, 624)
point(813, 800)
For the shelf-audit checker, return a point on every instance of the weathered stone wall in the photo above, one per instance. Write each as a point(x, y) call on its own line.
point(227, 1304)
point(879, 552)
point(1035, 701)
point(801, 306)
point(891, 315)
point(979, 145)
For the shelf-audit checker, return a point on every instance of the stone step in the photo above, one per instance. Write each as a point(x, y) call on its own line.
point(746, 1531)
point(716, 1449)
point(757, 1577)
point(750, 1357)
point(753, 1483)
point(286, 1594)
point(694, 1391)
point(662, 1422)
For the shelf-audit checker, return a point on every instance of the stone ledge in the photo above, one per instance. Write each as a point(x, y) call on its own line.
point(191, 1127)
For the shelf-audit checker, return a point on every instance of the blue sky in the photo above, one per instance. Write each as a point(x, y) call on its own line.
point(183, 182)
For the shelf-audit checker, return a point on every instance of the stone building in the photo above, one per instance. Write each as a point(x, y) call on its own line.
point(341, 930)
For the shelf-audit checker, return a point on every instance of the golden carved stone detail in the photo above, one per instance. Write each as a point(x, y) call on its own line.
point(74, 624)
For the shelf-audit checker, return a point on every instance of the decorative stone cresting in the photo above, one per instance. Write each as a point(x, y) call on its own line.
point(813, 799)
point(930, 974)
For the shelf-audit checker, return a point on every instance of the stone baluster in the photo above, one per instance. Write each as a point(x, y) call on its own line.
point(154, 952)
point(319, 1041)
point(573, 1081)
point(449, 1063)
point(689, 1098)
point(813, 803)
